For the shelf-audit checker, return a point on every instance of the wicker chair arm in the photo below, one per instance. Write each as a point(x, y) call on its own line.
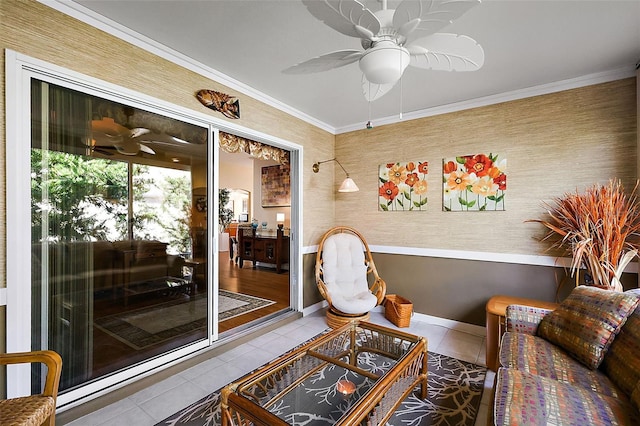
point(379, 289)
point(322, 288)
point(50, 358)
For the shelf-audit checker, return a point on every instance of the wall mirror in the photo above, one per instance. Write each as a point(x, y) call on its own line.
point(240, 204)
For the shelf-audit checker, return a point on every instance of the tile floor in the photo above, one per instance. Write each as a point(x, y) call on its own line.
point(157, 402)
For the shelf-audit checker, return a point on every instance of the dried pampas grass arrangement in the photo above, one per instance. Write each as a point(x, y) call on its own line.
point(599, 229)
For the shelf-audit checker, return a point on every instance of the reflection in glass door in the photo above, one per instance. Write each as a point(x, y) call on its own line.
point(115, 231)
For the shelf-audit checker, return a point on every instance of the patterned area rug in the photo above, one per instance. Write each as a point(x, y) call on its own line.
point(148, 326)
point(454, 394)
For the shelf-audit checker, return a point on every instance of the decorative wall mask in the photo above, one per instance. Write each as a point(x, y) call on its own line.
point(474, 183)
point(403, 186)
point(229, 106)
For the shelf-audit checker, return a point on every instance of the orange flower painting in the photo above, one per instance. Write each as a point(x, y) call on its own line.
point(474, 183)
point(403, 186)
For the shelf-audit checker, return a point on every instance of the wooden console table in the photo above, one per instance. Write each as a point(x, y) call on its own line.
point(271, 249)
point(496, 311)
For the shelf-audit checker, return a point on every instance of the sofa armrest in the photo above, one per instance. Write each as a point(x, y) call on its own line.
point(524, 319)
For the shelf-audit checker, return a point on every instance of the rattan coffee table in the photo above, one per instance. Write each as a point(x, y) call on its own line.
point(356, 374)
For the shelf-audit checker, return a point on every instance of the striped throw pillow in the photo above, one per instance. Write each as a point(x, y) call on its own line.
point(587, 321)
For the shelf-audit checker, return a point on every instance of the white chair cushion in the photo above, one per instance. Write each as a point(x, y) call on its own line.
point(345, 274)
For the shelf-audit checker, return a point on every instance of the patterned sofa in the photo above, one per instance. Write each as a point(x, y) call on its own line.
point(576, 365)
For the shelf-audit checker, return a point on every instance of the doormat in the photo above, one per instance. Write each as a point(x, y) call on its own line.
point(454, 394)
point(151, 325)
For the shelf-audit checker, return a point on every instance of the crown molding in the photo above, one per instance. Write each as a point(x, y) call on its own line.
point(100, 22)
point(544, 89)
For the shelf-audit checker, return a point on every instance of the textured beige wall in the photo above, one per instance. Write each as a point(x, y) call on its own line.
point(36, 30)
point(553, 144)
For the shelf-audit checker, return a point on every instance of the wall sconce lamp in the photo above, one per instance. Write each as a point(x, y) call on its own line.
point(348, 185)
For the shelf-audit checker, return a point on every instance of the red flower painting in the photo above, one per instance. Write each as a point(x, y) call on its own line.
point(403, 186)
point(474, 183)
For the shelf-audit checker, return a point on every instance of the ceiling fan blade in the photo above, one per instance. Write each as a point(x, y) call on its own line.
point(433, 14)
point(373, 91)
point(446, 52)
point(406, 29)
point(167, 144)
point(109, 127)
point(161, 138)
point(344, 15)
point(146, 149)
point(325, 62)
point(104, 139)
point(128, 147)
point(138, 131)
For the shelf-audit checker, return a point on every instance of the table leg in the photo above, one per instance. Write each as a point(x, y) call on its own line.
point(424, 372)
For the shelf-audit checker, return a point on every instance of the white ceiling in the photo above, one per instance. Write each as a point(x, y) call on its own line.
point(526, 43)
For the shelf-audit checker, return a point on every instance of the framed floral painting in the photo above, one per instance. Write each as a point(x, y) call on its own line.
point(403, 186)
point(474, 183)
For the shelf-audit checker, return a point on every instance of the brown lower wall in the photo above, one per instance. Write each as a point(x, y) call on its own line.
point(458, 289)
point(310, 292)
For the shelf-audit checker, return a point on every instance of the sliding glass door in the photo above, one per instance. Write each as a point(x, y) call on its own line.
point(114, 233)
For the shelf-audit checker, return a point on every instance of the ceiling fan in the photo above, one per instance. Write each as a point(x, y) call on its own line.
point(107, 135)
point(392, 39)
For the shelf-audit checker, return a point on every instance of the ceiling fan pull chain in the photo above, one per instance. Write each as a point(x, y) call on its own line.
point(401, 90)
point(369, 125)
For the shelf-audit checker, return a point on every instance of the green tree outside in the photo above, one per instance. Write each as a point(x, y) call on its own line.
point(87, 199)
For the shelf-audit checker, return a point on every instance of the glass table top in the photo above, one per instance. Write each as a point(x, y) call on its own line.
point(327, 378)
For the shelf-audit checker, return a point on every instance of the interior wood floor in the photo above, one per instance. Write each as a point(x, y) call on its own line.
point(111, 354)
point(259, 282)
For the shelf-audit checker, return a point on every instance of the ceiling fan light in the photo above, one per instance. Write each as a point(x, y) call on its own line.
point(384, 63)
point(126, 150)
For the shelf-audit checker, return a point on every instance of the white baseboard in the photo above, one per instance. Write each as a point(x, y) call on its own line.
point(476, 330)
point(314, 308)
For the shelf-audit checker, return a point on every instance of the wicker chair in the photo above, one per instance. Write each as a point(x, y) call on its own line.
point(347, 277)
point(35, 409)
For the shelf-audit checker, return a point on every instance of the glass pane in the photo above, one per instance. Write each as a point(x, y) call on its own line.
point(114, 233)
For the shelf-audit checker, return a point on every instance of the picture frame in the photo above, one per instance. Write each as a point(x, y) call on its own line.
point(201, 204)
point(402, 186)
point(276, 186)
point(474, 183)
